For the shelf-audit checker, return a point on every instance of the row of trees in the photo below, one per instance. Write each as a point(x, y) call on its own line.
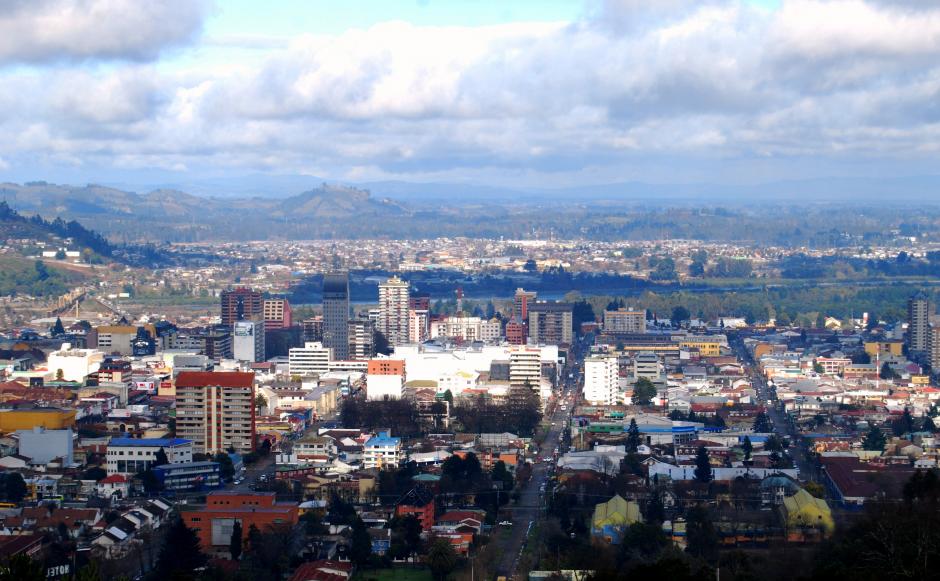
point(520, 414)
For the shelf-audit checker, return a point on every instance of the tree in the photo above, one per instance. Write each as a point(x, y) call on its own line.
point(875, 440)
point(261, 402)
point(59, 375)
point(703, 467)
point(361, 543)
point(95, 473)
point(150, 481)
point(442, 559)
point(381, 344)
point(14, 487)
point(530, 266)
point(904, 424)
point(701, 535)
point(886, 371)
point(254, 538)
point(762, 423)
point(680, 314)
point(181, 552)
point(664, 270)
point(22, 568)
point(643, 391)
point(58, 329)
point(160, 458)
point(773, 444)
point(235, 544)
point(226, 468)
point(633, 436)
point(747, 447)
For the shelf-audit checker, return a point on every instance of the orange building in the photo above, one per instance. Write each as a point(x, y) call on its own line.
point(386, 367)
point(214, 522)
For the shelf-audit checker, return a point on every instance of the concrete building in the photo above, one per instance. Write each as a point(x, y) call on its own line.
point(385, 379)
point(133, 455)
point(381, 451)
point(241, 304)
point(214, 522)
point(75, 364)
point(312, 329)
point(277, 314)
point(216, 410)
point(601, 380)
point(311, 359)
point(550, 323)
point(27, 419)
point(119, 339)
point(393, 310)
point(248, 342)
point(646, 364)
point(361, 339)
point(42, 445)
point(525, 368)
point(520, 304)
point(625, 321)
point(336, 314)
point(933, 347)
point(419, 327)
point(918, 321)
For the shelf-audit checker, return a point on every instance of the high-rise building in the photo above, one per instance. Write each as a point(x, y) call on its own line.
point(601, 380)
point(311, 359)
point(933, 347)
point(918, 321)
point(521, 302)
point(241, 304)
point(312, 329)
point(385, 379)
point(625, 321)
point(336, 314)
point(361, 339)
point(525, 368)
point(418, 326)
point(646, 365)
point(248, 341)
point(393, 310)
point(216, 411)
point(419, 301)
point(550, 323)
point(277, 314)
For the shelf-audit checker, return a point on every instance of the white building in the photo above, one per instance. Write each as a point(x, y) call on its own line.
point(646, 364)
point(381, 451)
point(601, 380)
point(133, 455)
point(393, 310)
point(525, 367)
point(382, 386)
point(311, 359)
point(248, 343)
point(418, 327)
point(75, 364)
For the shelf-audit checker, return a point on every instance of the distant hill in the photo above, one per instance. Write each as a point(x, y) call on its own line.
point(15, 225)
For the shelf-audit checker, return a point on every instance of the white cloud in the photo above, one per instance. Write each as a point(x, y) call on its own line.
point(37, 31)
point(677, 79)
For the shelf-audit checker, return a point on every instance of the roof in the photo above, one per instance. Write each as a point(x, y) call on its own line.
point(213, 379)
point(616, 511)
point(417, 496)
point(150, 442)
point(113, 479)
point(804, 508)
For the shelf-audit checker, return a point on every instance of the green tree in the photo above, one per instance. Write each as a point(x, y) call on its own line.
point(21, 568)
point(702, 538)
point(762, 424)
point(361, 543)
point(95, 473)
point(680, 315)
point(160, 458)
point(14, 487)
point(703, 467)
point(633, 436)
point(442, 559)
point(181, 554)
point(226, 468)
point(875, 440)
point(748, 447)
point(261, 402)
point(58, 329)
point(235, 543)
point(886, 371)
point(150, 481)
point(643, 392)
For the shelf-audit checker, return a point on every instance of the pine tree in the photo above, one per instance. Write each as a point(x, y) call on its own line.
point(633, 436)
point(361, 543)
point(181, 552)
point(762, 424)
point(703, 467)
point(874, 440)
point(442, 559)
point(748, 447)
point(235, 544)
point(160, 458)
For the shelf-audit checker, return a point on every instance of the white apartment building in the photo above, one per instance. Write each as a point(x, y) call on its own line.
point(248, 342)
point(216, 410)
point(525, 367)
point(393, 310)
point(467, 329)
point(133, 455)
point(75, 364)
point(311, 359)
point(381, 451)
point(601, 380)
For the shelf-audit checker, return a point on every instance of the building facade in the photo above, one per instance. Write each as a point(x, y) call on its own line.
point(216, 410)
point(393, 310)
point(625, 321)
point(601, 380)
point(336, 314)
point(248, 341)
point(918, 322)
point(550, 323)
point(311, 359)
point(277, 314)
point(133, 455)
point(241, 304)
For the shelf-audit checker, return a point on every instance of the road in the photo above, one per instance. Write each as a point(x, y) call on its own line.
point(530, 507)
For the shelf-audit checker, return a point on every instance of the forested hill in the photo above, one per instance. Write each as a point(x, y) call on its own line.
point(36, 228)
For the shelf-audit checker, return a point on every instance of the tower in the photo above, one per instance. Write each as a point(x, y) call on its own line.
point(336, 314)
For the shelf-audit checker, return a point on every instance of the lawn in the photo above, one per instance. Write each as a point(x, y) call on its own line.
point(401, 574)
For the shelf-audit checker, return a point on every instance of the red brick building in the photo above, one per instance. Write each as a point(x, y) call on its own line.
point(418, 502)
point(214, 522)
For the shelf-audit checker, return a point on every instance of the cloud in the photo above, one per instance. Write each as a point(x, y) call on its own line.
point(718, 82)
point(42, 31)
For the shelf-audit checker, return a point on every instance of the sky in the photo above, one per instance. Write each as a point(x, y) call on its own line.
point(535, 93)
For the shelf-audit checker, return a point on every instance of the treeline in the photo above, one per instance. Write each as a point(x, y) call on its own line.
point(842, 267)
point(31, 278)
point(520, 414)
point(398, 415)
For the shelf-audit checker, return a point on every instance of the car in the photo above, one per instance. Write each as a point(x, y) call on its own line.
point(553, 423)
point(505, 523)
point(547, 459)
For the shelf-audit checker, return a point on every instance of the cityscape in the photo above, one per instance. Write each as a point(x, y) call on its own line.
point(469, 291)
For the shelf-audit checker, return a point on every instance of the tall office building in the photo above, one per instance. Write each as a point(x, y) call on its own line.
point(525, 368)
point(312, 329)
point(520, 304)
point(241, 304)
point(248, 342)
point(336, 314)
point(918, 323)
point(216, 410)
point(361, 339)
point(550, 323)
point(418, 325)
point(601, 380)
point(311, 359)
point(277, 314)
point(393, 310)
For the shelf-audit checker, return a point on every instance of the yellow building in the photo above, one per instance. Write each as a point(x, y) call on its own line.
point(803, 510)
point(873, 348)
point(49, 418)
point(707, 346)
point(612, 518)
